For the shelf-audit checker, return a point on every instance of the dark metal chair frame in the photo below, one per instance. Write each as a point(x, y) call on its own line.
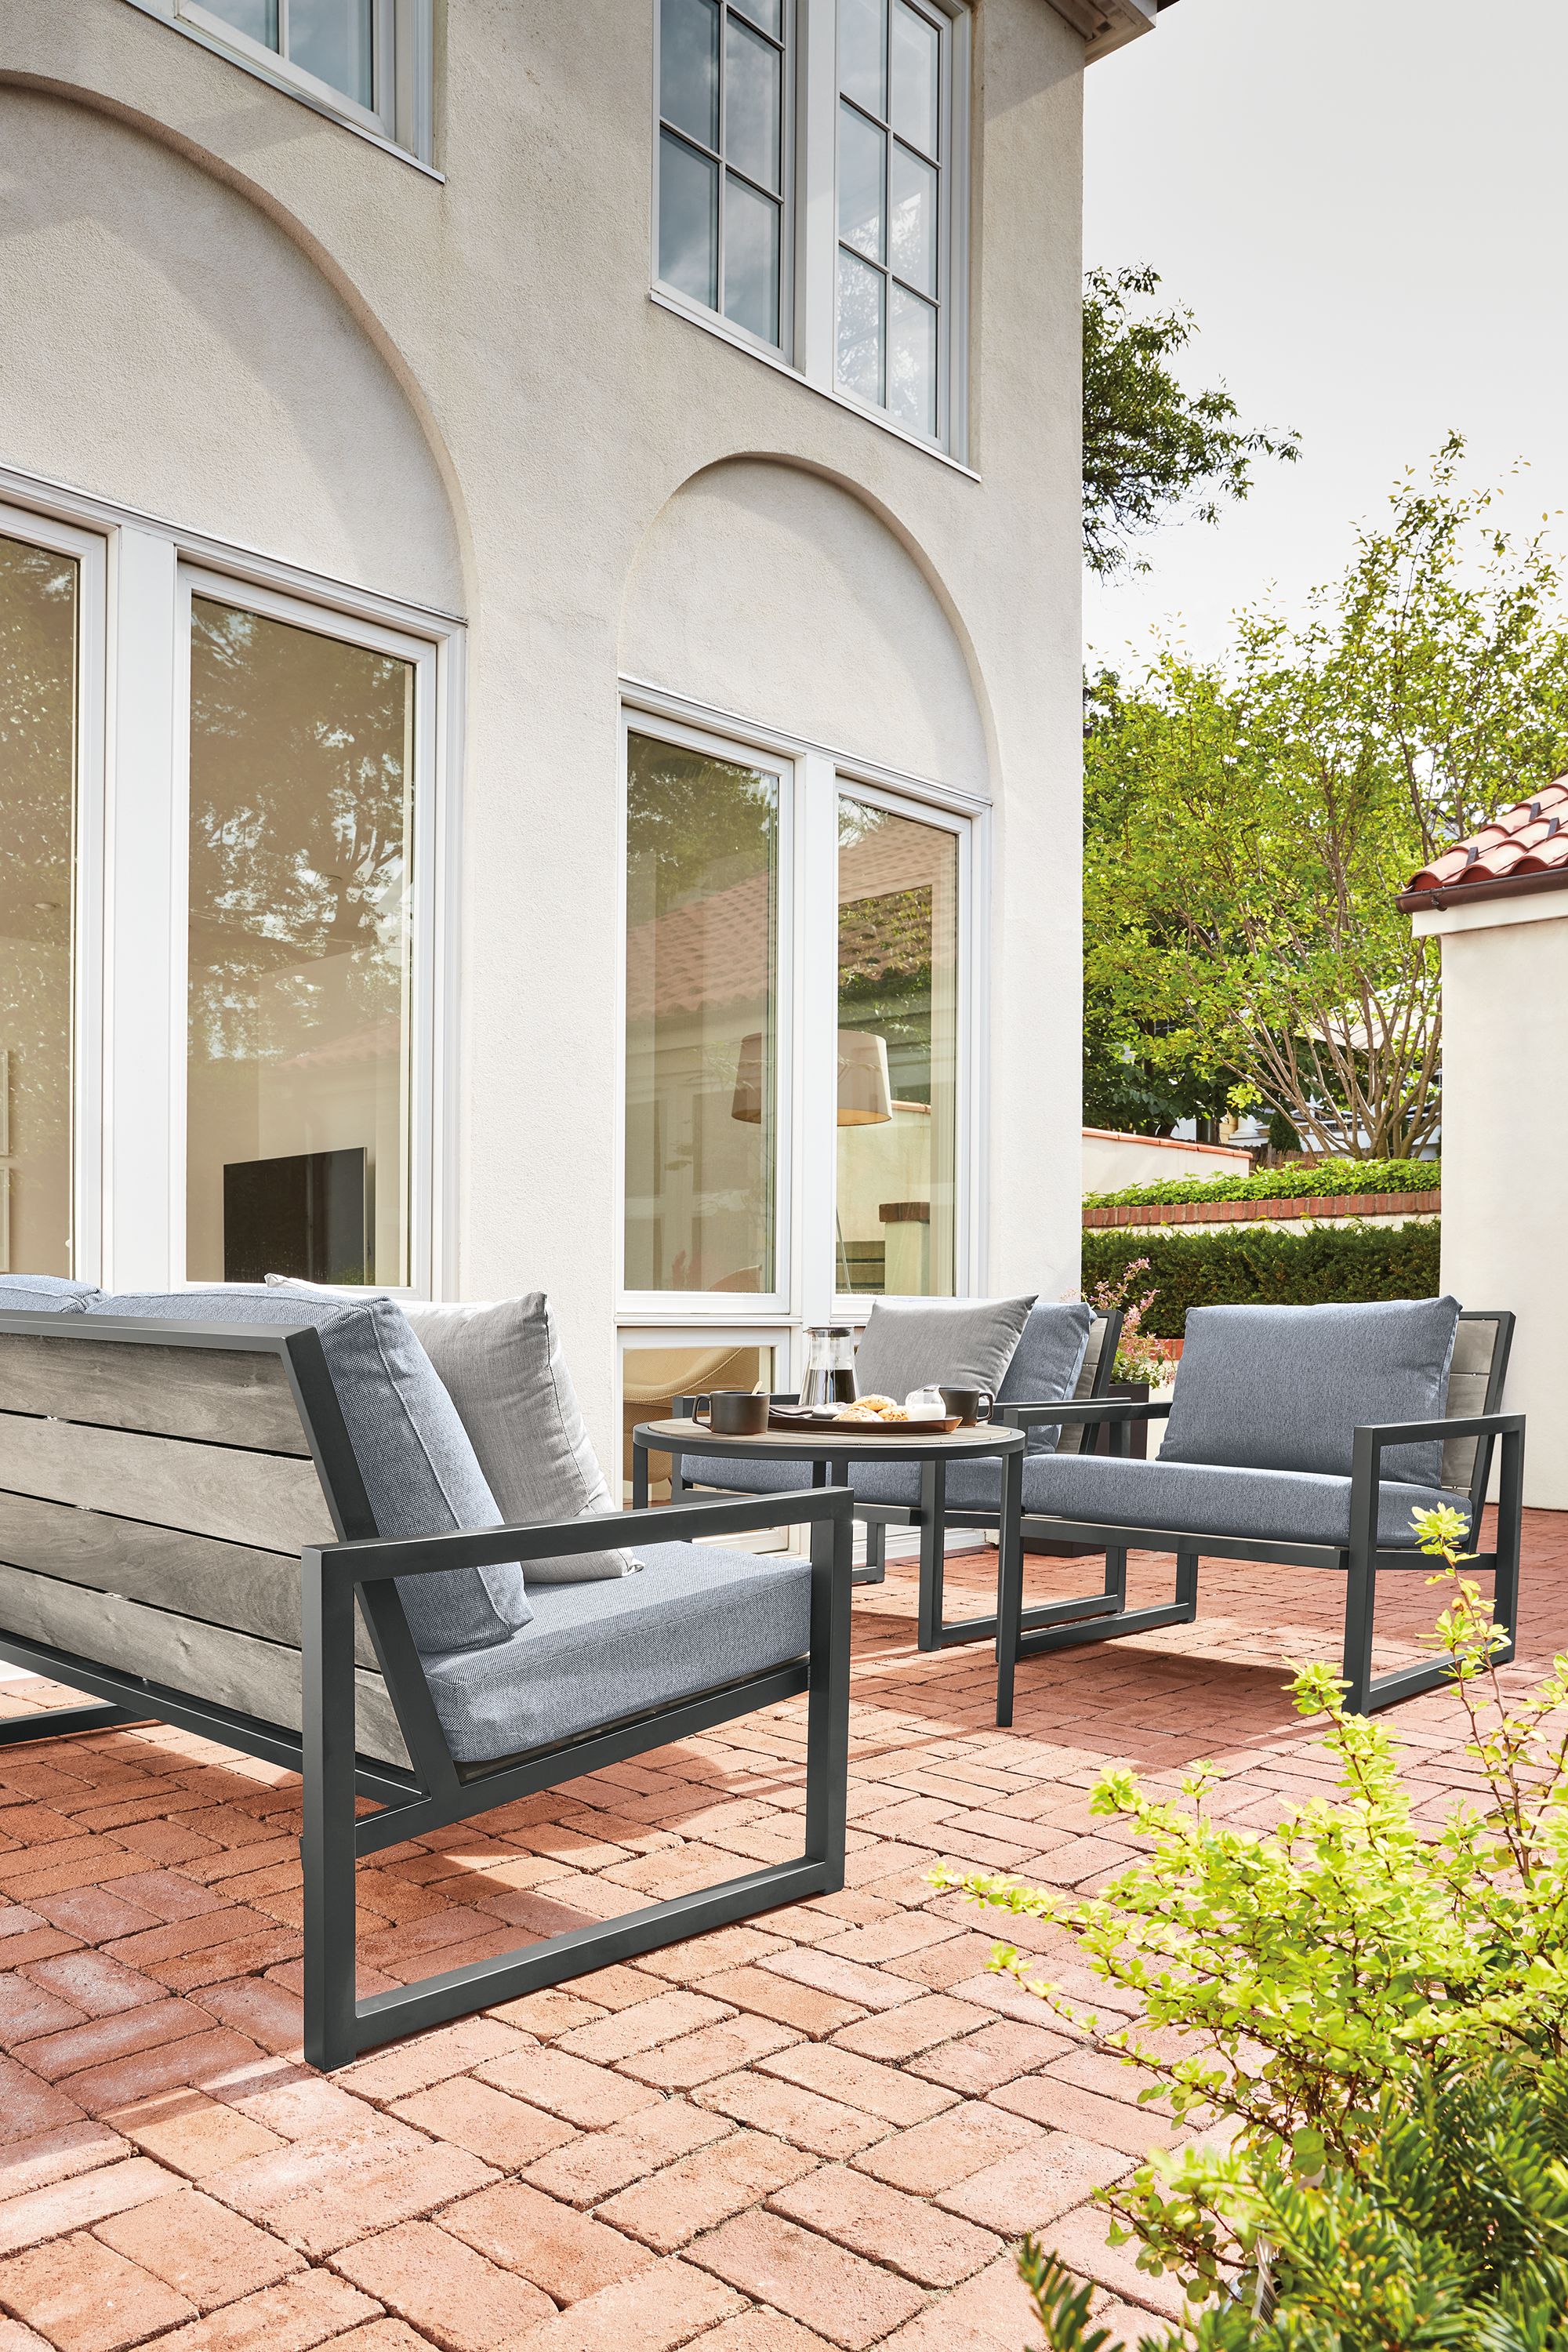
point(1361, 1562)
point(933, 1514)
point(438, 1789)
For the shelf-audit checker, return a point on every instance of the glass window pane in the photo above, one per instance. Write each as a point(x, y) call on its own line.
point(911, 362)
point(862, 53)
point(689, 68)
point(752, 103)
point(332, 39)
point(751, 260)
point(768, 14)
point(862, 150)
point(300, 839)
point(916, 77)
point(258, 19)
point(651, 1380)
point(701, 979)
point(861, 290)
point(687, 220)
point(38, 592)
point(913, 209)
point(898, 1053)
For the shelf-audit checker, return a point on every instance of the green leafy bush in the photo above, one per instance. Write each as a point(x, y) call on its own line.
point(1326, 1179)
point(1375, 2011)
point(1222, 1265)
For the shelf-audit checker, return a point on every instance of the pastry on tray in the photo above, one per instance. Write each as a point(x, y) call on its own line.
point(879, 1404)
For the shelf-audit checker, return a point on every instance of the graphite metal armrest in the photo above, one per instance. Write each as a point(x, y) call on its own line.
point(1090, 1409)
point(1380, 1434)
point(377, 1558)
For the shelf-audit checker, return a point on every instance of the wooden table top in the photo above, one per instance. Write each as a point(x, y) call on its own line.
point(854, 1438)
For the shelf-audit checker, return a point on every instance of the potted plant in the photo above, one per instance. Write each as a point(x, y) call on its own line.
point(1144, 1363)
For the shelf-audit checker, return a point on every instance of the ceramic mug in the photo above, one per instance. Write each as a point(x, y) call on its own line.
point(970, 1405)
point(735, 1412)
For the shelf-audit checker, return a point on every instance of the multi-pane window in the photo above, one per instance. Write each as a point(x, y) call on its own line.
point(890, 207)
point(333, 41)
point(722, 91)
point(811, 189)
point(367, 61)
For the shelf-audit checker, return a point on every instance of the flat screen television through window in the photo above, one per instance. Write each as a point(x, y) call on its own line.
point(304, 1214)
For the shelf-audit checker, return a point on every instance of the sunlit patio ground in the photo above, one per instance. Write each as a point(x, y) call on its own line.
point(824, 2129)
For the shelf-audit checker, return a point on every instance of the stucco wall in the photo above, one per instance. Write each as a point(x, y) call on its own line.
point(1505, 1150)
point(260, 326)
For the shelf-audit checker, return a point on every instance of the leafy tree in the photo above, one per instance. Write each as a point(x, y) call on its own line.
point(1149, 447)
point(1249, 822)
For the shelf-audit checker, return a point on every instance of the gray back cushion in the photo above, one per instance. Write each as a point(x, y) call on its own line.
point(1046, 1362)
point(502, 1366)
point(968, 1342)
point(419, 1470)
point(1285, 1388)
point(43, 1294)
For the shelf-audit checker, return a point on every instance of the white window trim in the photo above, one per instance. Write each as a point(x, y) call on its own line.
point(714, 1307)
point(791, 15)
point(401, 124)
point(808, 1178)
point(808, 355)
point(132, 959)
point(89, 552)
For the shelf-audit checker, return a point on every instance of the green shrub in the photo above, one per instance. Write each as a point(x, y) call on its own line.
point(1377, 2009)
point(1328, 1179)
point(1224, 1265)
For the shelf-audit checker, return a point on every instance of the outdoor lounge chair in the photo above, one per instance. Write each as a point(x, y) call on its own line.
point(186, 1526)
point(1062, 1351)
point(1277, 1450)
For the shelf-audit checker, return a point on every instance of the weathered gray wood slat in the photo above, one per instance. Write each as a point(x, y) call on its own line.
point(237, 1671)
point(232, 1584)
point(271, 1500)
point(229, 1398)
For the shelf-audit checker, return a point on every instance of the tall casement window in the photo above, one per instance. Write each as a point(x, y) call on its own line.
point(797, 1123)
point(723, 80)
point(368, 61)
point(221, 874)
point(892, 76)
point(40, 592)
point(300, 988)
point(812, 191)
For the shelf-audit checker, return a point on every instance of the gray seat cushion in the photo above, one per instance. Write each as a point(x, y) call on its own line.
point(502, 1365)
point(419, 1470)
point(744, 1477)
point(44, 1294)
point(1285, 1388)
point(910, 1341)
point(698, 1616)
point(1272, 1506)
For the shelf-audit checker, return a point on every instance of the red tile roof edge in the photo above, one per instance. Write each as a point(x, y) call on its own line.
point(1524, 847)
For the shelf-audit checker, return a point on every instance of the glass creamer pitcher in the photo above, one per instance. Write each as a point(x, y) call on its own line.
point(829, 1365)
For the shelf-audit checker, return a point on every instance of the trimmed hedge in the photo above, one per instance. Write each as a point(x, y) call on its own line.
point(1330, 1179)
point(1254, 1267)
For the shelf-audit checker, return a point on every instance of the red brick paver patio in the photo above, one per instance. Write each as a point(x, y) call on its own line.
point(823, 2129)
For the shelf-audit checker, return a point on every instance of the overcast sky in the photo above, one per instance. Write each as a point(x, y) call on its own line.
point(1365, 201)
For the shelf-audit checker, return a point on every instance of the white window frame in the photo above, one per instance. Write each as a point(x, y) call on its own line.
point(401, 117)
point(88, 549)
point(809, 1028)
point(783, 349)
point(808, 350)
point(132, 873)
point(195, 580)
point(700, 1308)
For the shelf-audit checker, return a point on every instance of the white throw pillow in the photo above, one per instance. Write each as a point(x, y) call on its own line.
point(501, 1361)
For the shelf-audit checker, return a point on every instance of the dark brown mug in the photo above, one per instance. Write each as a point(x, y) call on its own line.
point(970, 1405)
point(735, 1412)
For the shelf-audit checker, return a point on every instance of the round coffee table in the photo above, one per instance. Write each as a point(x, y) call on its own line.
point(832, 1454)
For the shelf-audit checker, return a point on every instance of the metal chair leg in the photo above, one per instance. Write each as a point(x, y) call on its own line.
point(933, 1544)
point(876, 1568)
point(327, 1846)
point(1009, 1585)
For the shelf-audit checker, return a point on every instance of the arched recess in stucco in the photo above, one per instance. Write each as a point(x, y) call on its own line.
point(170, 348)
point(772, 592)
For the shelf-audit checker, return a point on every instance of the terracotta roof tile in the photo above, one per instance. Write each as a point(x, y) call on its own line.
point(1530, 838)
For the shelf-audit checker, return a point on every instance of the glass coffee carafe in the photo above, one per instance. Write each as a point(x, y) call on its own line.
point(829, 1366)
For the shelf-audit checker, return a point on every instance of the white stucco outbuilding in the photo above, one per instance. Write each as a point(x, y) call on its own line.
point(1497, 904)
